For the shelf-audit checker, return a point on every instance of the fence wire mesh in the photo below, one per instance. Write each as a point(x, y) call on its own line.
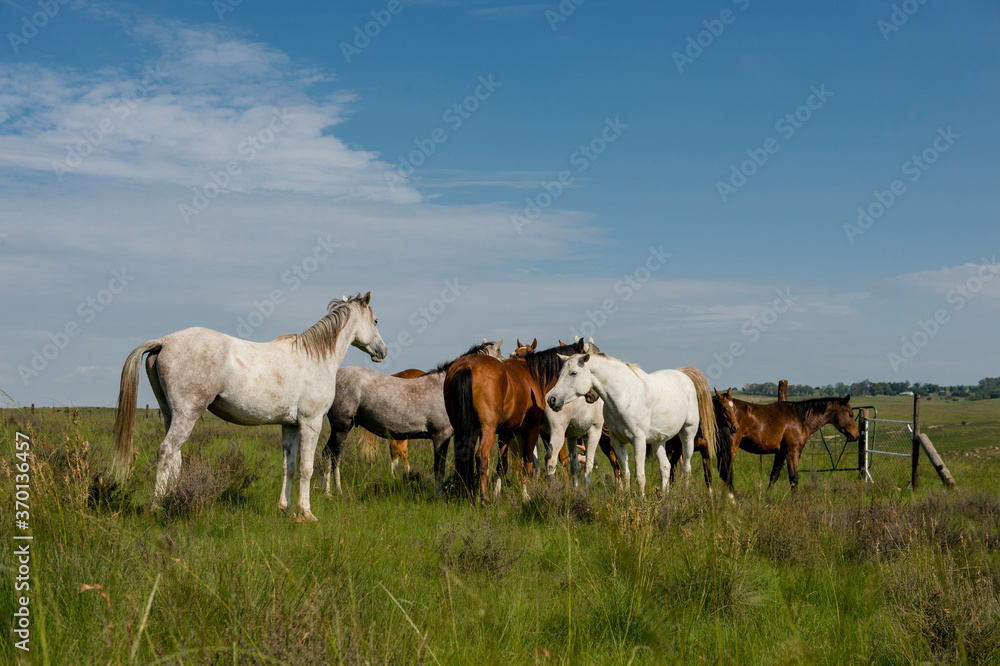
point(890, 446)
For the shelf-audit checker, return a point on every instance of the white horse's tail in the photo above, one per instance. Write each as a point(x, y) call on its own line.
point(706, 412)
point(125, 420)
point(369, 444)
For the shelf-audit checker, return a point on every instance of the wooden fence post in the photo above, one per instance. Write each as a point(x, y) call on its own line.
point(863, 444)
point(783, 390)
point(915, 467)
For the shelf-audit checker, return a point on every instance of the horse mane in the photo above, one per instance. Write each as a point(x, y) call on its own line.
point(545, 365)
point(812, 406)
point(474, 349)
point(320, 339)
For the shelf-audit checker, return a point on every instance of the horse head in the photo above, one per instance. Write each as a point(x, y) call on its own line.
point(724, 404)
point(366, 335)
point(523, 349)
point(843, 418)
point(574, 381)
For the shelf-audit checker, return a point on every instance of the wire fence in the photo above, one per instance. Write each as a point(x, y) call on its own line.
point(890, 448)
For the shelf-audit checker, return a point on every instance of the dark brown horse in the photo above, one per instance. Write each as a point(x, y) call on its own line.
point(727, 424)
point(782, 428)
point(485, 398)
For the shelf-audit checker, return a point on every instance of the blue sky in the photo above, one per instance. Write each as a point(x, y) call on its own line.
point(762, 281)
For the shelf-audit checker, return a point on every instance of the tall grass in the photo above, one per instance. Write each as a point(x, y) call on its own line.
point(843, 572)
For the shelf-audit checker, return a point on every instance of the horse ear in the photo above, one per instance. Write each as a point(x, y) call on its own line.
point(562, 358)
point(591, 339)
point(729, 392)
point(484, 341)
point(367, 299)
point(847, 398)
point(578, 345)
point(534, 343)
point(584, 358)
point(717, 393)
point(519, 345)
point(499, 343)
point(575, 338)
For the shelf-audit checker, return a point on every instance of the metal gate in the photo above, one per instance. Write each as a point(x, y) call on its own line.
point(884, 448)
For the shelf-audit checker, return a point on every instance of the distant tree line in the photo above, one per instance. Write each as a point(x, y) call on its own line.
point(987, 388)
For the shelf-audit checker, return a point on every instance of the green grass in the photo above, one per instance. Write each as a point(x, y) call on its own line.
point(843, 573)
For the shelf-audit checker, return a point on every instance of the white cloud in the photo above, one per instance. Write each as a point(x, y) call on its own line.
point(972, 277)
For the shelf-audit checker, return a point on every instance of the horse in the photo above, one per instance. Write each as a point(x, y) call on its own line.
point(642, 408)
point(399, 449)
point(485, 397)
point(581, 418)
point(290, 381)
point(388, 406)
point(727, 424)
point(782, 428)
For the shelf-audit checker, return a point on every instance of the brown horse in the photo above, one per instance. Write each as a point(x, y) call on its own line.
point(485, 398)
point(727, 424)
point(782, 428)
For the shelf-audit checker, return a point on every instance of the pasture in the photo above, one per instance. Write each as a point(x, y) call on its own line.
point(844, 572)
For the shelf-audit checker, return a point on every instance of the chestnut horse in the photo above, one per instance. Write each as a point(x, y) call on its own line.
point(782, 428)
point(486, 397)
point(399, 449)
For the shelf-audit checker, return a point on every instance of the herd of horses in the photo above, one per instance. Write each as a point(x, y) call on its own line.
point(484, 401)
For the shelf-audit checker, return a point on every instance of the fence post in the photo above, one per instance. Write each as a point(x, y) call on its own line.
point(863, 444)
point(783, 390)
point(915, 469)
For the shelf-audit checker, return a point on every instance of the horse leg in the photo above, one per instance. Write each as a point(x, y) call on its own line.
point(574, 461)
point(289, 450)
point(793, 466)
point(331, 460)
point(398, 451)
point(308, 437)
point(529, 440)
point(665, 467)
point(706, 463)
point(486, 442)
point(593, 440)
point(557, 439)
point(158, 392)
point(621, 452)
point(168, 466)
point(503, 450)
point(639, 444)
point(779, 460)
point(440, 459)
point(674, 456)
point(687, 434)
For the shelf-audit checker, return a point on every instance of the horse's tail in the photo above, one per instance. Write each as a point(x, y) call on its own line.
point(706, 411)
point(464, 421)
point(369, 444)
point(125, 420)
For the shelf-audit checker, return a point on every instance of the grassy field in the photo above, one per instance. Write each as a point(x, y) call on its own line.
point(844, 572)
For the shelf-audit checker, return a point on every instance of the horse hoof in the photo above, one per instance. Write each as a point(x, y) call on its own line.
point(307, 517)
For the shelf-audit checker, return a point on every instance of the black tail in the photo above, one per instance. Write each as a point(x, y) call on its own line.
point(465, 422)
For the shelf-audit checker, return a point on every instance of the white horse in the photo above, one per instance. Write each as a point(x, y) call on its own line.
point(290, 381)
point(644, 409)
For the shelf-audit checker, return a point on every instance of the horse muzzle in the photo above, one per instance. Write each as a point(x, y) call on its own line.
point(734, 429)
point(552, 402)
point(591, 396)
